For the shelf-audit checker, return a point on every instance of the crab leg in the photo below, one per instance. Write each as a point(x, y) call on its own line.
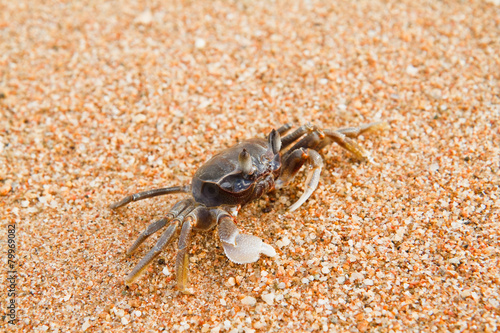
point(354, 132)
point(311, 140)
point(153, 253)
point(200, 218)
point(155, 226)
point(290, 138)
point(179, 211)
point(292, 165)
point(241, 248)
point(343, 138)
point(284, 129)
point(305, 150)
point(150, 194)
point(182, 261)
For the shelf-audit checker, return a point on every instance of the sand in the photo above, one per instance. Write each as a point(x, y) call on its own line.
point(102, 99)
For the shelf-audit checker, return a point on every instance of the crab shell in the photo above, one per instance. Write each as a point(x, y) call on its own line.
point(222, 182)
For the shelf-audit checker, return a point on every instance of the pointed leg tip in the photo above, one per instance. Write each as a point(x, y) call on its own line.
point(116, 205)
point(303, 198)
point(129, 280)
point(378, 125)
point(187, 291)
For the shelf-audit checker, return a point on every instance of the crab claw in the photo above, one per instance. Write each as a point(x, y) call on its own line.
point(241, 248)
point(248, 249)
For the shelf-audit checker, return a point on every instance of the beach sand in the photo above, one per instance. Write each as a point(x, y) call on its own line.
point(99, 100)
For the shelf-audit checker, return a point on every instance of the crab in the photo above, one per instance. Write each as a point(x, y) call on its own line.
point(233, 178)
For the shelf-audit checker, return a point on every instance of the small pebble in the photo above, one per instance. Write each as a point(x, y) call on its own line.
point(200, 43)
point(145, 18)
point(85, 325)
point(231, 282)
point(412, 71)
point(268, 298)
point(249, 300)
point(5, 189)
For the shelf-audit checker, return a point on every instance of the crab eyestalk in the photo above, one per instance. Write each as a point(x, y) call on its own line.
point(245, 161)
point(275, 141)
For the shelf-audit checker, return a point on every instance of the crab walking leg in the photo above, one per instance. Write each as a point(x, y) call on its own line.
point(354, 132)
point(292, 165)
point(311, 140)
point(153, 253)
point(343, 137)
point(348, 144)
point(201, 218)
point(151, 229)
point(284, 129)
point(150, 194)
point(315, 163)
point(180, 210)
point(299, 132)
point(241, 248)
point(182, 261)
point(155, 226)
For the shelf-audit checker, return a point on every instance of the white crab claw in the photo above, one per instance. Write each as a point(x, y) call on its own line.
point(242, 248)
point(248, 249)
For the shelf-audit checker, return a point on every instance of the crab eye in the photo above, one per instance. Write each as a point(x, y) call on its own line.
point(240, 184)
point(245, 161)
point(210, 190)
